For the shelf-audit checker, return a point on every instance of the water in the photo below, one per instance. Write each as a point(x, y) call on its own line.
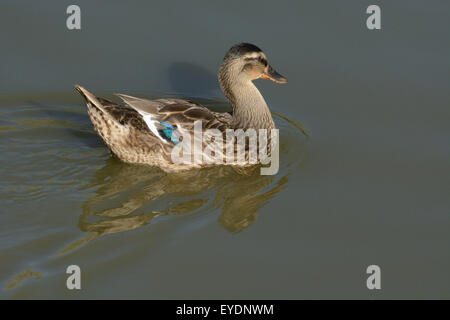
point(370, 185)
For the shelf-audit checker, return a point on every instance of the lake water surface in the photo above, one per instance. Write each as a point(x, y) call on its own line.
point(369, 186)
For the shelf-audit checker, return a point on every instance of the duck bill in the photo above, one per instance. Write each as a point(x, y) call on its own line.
point(271, 74)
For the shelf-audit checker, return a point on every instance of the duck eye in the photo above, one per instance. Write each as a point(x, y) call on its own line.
point(247, 67)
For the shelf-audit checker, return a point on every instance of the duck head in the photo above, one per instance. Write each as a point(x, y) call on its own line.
point(246, 62)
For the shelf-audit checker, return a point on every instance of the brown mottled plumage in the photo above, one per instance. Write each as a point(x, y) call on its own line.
point(134, 131)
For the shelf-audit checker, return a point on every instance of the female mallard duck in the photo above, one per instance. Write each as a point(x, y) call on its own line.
point(142, 131)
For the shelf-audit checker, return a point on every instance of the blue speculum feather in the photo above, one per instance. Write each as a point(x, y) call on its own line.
point(169, 132)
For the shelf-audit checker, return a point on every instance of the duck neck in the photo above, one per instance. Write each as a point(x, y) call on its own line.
point(249, 107)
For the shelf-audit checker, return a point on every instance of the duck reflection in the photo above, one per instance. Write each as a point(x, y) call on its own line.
point(124, 191)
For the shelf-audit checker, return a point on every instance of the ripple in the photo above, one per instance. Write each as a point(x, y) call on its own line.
point(21, 277)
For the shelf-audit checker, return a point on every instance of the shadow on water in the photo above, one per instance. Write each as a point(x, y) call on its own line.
point(185, 77)
point(238, 196)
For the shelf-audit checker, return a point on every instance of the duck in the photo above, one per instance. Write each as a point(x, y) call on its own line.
point(142, 131)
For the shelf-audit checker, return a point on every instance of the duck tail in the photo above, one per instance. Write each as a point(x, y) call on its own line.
point(90, 98)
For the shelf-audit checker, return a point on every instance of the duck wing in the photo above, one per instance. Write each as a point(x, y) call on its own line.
point(163, 116)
